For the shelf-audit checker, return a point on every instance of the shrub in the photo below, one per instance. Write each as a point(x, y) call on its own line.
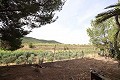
point(31, 45)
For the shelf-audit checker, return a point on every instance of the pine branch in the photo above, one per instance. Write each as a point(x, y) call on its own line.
point(106, 15)
point(8, 10)
point(113, 6)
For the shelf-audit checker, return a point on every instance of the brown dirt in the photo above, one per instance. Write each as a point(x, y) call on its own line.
point(77, 69)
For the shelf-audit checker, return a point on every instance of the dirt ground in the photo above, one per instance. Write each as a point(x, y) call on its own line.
point(77, 69)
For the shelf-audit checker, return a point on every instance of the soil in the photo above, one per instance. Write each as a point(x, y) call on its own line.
point(77, 69)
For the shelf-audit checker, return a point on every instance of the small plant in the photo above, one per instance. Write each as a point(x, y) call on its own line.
point(31, 45)
point(17, 61)
point(30, 60)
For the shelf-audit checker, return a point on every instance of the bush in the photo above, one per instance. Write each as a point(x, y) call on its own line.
point(31, 45)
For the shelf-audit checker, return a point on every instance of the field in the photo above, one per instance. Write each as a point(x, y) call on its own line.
point(76, 69)
point(45, 52)
point(55, 62)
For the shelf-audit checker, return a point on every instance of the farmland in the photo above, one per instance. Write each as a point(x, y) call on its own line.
point(48, 61)
point(60, 62)
point(48, 52)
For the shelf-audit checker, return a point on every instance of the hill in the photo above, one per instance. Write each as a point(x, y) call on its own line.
point(35, 41)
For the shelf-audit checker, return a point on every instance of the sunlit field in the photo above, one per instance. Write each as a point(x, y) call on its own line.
point(46, 52)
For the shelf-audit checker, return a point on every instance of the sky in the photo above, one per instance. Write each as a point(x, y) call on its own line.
point(74, 19)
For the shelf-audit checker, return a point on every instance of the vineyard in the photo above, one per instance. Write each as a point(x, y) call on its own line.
point(60, 62)
point(47, 53)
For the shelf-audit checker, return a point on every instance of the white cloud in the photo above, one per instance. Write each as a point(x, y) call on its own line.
point(59, 33)
point(50, 32)
point(73, 21)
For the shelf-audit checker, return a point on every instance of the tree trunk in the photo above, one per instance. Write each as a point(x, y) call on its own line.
point(116, 42)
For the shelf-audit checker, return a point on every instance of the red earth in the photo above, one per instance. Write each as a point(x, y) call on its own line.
point(77, 69)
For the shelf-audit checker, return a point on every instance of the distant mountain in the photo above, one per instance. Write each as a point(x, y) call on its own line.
point(34, 40)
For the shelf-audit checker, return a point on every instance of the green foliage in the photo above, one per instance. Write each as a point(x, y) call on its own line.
point(114, 11)
point(103, 33)
point(31, 45)
point(33, 57)
point(14, 44)
point(30, 59)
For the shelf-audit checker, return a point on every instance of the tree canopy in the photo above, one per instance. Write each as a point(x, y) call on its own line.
point(113, 12)
point(103, 33)
point(17, 15)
